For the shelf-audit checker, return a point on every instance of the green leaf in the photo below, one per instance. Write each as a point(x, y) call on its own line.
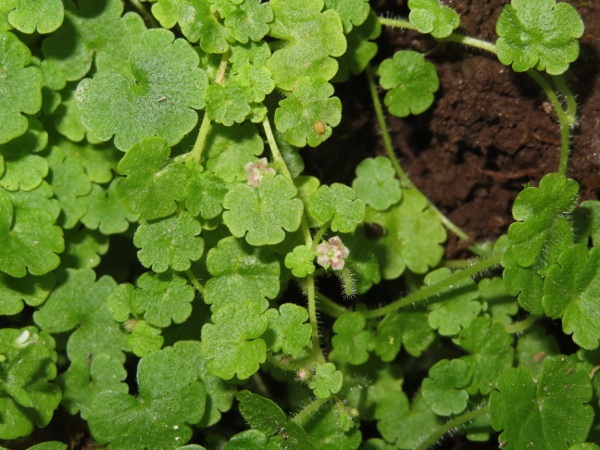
point(418, 422)
point(247, 440)
point(499, 305)
point(162, 298)
point(312, 38)
point(455, 308)
point(172, 242)
point(376, 183)
point(334, 427)
point(170, 398)
point(412, 82)
point(531, 411)
point(29, 289)
point(70, 184)
point(29, 397)
point(540, 34)
point(300, 261)
point(309, 112)
point(431, 16)
point(83, 248)
point(241, 273)
point(22, 169)
point(351, 341)
point(105, 212)
point(572, 290)
point(339, 205)
point(31, 15)
point(266, 417)
point(403, 244)
point(444, 388)
point(249, 21)
point(99, 161)
point(199, 22)
point(410, 328)
point(542, 232)
point(230, 148)
point(20, 87)
point(352, 12)
point(153, 183)
point(230, 344)
point(326, 381)
point(586, 218)
point(362, 263)
point(263, 212)
point(205, 194)
point(94, 32)
point(490, 353)
point(79, 303)
point(228, 103)
point(159, 101)
point(29, 240)
point(287, 331)
point(83, 381)
point(144, 338)
point(534, 347)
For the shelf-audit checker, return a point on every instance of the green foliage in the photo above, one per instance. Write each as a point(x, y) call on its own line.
point(531, 411)
point(430, 16)
point(540, 34)
point(185, 281)
point(411, 81)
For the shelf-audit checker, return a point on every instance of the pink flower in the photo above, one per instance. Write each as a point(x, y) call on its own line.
point(257, 170)
point(332, 253)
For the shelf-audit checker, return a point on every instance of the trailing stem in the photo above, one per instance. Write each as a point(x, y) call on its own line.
point(387, 142)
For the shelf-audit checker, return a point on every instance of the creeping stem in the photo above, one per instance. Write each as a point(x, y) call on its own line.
point(452, 424)
point(387, 142)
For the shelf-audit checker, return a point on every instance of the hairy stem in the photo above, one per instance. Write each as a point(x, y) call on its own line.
point(519, 327)
point(196, 153)
point(309, 409)
point(435, 289)
point(195, 281)
point(387, 142)
point(452, 424)
point(471, 42)
point(330, 307)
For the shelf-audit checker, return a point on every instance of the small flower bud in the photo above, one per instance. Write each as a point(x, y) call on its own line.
point(25, 339)
point(304, 375)
point(257, 170)
point(332, 253)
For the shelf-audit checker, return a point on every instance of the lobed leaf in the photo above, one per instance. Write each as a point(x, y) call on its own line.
point(431, 16)
point(160, 100)
point(352, 12)
point(262, 213)
point(337, 204)
point(29, 289)
point(410, 328)
point(105, 212)
point(444, 388)
point(29, 16)
point(326, 381)
point(288, 331)
point(540, 34)
point(300, 261)
point(352, 341)
point(411, 81)
point(376, 183)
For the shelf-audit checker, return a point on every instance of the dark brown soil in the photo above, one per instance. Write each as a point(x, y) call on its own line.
point(490, 130)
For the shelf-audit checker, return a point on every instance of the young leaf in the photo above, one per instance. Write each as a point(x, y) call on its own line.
point(287, 331)
point(249, 21)
point(21, 87)
point(159, 101)
point(326, 381)
point(540, 34)
point(29, 240)
point(309, 112)
point(352, 12)
point(410, 328)
point(572, 290)
point(105, 212)
point(79, 302)
point(264, 211)
point(490, 353)
point(230, 344)
point(444, 388)
point(241, 273)
point(339, 205)
point(402, 245)
point(151, 187)
point(29, 16)
point(412, 82)
point(205, 194)
point(84, 380)
point(300, 261)
point(94, 32)
point(228, 103)
point(430, 16)
point(144, 338)
point(531, 411)
point(170, 398)
point(351, 341)
point(199, 21)
point(312, 38)
point(172, 242)
point(162, 298)
point(376, 183)
point(29, 397)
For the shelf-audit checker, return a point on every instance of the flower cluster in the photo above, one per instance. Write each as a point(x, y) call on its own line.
point(332, 253)
point(257, 170)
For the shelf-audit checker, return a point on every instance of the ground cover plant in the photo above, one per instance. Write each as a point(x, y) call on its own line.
point(173, 274)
